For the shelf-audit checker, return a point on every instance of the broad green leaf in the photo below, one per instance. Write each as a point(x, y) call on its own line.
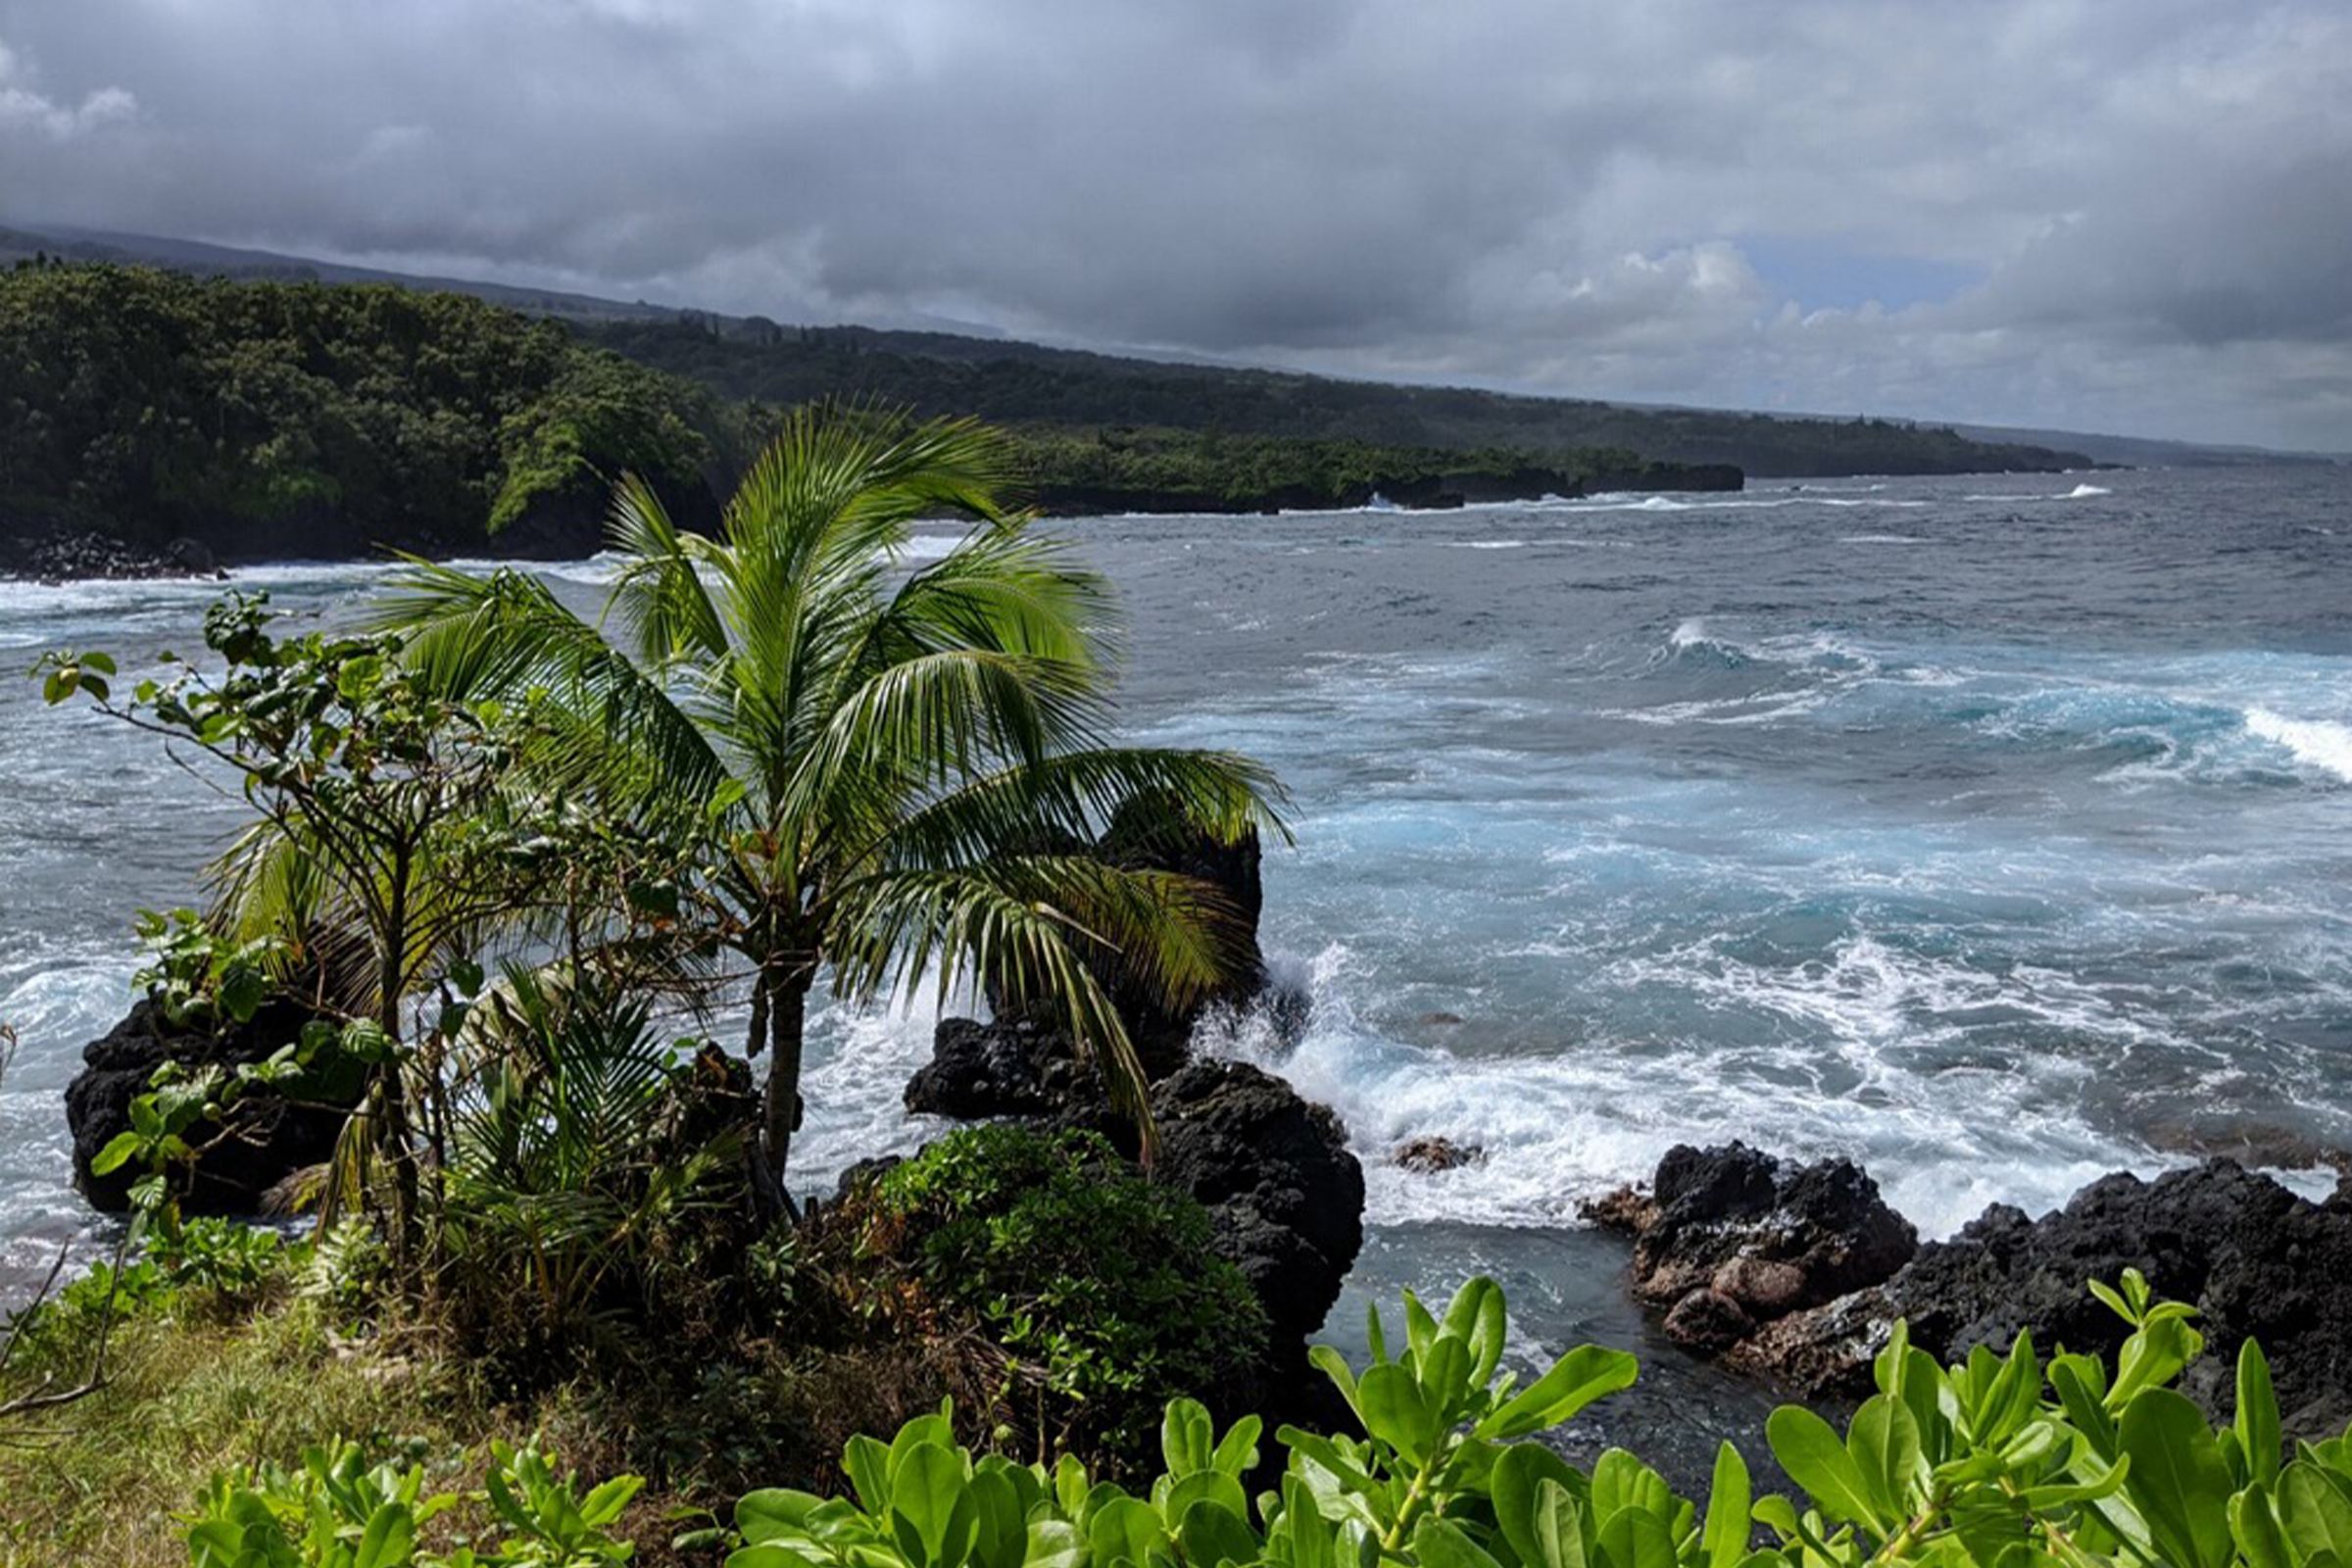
point(1883, 1440)
point(1128, 1527)
point(1444, 1376)
point(116, 1154)
point(359, 676)
point(1810, 1451)
point(1621, 1481)
point(1210, 1533)
point(1584, 1374)
point(2314, 1514)
point(2257, 1421)
point(1205, 1486)
point(999, 1537)
point(1516, 1484)
point(1235, 1453)
point(767, 1555)
point(390, 1539)
point(1184, 1437)
point(1054, 1544)
point(1636, 1538)
point(1729, 1523)
point(1479, 1318)
point(933, 1513)
point(243, 989)
point(1395, 1410)
point(772, 1514)
point(866, 1462)
point(1333, 1367)
point(2179, 1482)
point(1420, 1329)
point(2254, 1526)
point(2078, 1380)
point(1441, 1543)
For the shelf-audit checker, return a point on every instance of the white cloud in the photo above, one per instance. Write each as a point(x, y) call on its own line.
point(22, 109)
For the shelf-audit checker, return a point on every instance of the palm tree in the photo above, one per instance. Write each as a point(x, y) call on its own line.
point(882, 769)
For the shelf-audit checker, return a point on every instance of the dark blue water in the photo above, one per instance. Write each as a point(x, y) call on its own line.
point(1993, 830)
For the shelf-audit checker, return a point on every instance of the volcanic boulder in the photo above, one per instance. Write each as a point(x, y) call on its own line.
point(1276, 1175)
point(1023, 1062)
point(266, 1137)
point(2256, 1260)
point(1731, 1239)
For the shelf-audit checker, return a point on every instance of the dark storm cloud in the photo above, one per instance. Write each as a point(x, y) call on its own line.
point(1516, 192)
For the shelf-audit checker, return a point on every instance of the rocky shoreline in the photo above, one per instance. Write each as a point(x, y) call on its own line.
point(1790, 1273)
point(56, 554)
point(1798, 1274)
point(69, 555)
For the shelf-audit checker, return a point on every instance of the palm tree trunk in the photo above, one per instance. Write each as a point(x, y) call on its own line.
point(780, 1113)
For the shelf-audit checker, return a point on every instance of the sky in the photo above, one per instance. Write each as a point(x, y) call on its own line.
point(2123, 216)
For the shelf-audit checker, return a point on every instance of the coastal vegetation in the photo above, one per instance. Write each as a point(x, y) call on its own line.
point(305, 420)
point(556, 1302)
point(259, 419)
point(1447, 1457)
point(1027, 384)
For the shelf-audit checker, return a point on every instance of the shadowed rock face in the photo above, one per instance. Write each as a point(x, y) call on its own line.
point(1277, 1178)
point(266, 1138)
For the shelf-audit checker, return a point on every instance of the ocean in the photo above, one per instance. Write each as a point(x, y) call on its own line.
point(1995, 831)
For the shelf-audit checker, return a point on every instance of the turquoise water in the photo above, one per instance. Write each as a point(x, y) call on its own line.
point(1993, 830)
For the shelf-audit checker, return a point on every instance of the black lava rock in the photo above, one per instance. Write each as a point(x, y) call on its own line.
point(266, 1137)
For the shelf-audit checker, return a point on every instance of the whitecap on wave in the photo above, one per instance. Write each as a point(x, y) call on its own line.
point(2315, 743)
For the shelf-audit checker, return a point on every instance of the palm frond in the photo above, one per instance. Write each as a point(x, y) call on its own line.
point(1000, 924)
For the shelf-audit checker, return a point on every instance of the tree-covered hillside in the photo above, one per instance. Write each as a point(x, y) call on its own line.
point(311, 419)
point(1017, 383)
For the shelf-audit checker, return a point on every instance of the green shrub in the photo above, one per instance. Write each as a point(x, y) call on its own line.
point(220, 1262)
point(1102, 1285)
point(338, 1511)
point(1998, 1461)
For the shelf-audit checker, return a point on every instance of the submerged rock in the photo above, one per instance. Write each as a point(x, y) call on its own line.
point(266, 1139)
point(1428, 1156)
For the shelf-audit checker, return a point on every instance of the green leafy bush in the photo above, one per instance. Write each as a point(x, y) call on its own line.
point(224, 1262)
point(2002, 1461)
point(1105, 1285)
point(338, 1511)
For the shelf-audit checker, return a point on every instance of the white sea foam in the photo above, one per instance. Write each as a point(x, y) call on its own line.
point(2312, 742)
point(2080, 491)
point(1563, 1128)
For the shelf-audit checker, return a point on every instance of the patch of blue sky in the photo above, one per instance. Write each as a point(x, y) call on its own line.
point(1822, 275)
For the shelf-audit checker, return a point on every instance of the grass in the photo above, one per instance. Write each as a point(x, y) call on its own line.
point(104, 1479)
point(190, 1393)
point(107, 1480)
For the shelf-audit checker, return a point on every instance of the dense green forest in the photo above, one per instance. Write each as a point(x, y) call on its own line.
point(317, 419)
point(1084, 470)
point(262, 417)
point(1017, 383)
